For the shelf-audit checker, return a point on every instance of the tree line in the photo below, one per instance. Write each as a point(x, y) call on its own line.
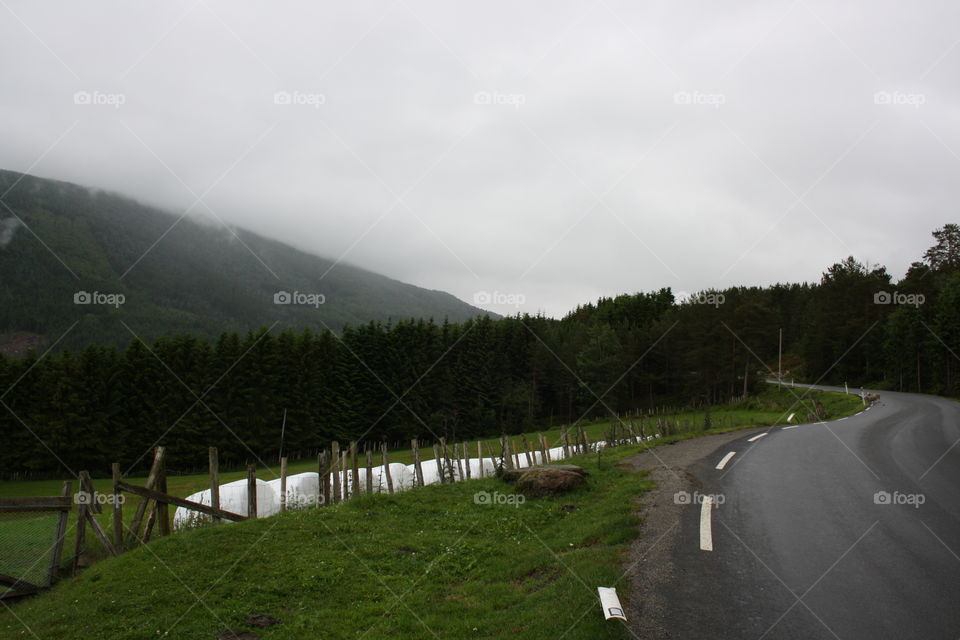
point(481, 377)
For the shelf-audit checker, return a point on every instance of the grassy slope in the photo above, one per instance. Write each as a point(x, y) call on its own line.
point(395, 566)
point(337, 572)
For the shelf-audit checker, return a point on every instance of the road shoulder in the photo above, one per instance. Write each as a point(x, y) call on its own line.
point(649, 565)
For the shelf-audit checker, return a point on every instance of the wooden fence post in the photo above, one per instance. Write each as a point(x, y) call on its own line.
point(163, 510)
point(466, 456)
point(283, 484)
point(565, 437)
point(436, 456)
point(493, 459)
point(151, 522)
point(323, 477)
point(480, 459)
point(117, 508)
point(251, 491)
point(214, 464)
point(386, 467)
point(526, 449)
point(335, 475)
point(81, 535)
point(505, 452)
point(456, 454)
point(369, 473)
point(86, 482)
point(417, 466)
point(355, 468)
point(133, 532)
point(345, 476)
point(61, 532)
point(544, 450)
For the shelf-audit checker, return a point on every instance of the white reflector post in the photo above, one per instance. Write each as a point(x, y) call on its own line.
point(610, 603)
point(790, 419)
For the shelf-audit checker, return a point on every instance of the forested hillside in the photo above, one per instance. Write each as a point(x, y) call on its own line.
point(482, 376)
point(58, 239)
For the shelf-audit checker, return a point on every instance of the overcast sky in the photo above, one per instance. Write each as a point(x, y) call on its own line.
point(552, 151)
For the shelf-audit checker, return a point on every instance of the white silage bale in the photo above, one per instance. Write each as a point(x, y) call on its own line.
point(233, 498)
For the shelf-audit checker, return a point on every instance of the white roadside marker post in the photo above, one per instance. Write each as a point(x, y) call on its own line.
point(611, 604)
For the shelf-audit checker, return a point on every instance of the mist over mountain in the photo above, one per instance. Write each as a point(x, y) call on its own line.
point(80, 265)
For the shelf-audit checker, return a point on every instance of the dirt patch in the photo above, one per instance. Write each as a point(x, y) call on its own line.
point(538, 579)
point(649, 564)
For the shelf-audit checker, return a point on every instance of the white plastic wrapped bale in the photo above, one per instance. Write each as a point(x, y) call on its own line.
point(489, 467)
point(401, 476)
point(233, 498)
point(431, 475)
point(303, 491)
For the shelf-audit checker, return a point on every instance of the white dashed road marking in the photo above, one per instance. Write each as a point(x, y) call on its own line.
point(725, 460)
point(755, 438)
point(706, 534)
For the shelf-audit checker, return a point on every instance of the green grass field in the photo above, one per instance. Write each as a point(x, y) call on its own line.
point(428, 561)
point(338, 571)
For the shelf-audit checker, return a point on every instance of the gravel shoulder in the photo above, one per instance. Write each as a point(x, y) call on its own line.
point(649, 565)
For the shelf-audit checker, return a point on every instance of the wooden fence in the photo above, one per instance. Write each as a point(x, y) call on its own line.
point(17, 586)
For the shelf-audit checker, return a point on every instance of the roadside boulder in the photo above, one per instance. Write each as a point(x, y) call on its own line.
point(512, 475)
point(547, 480)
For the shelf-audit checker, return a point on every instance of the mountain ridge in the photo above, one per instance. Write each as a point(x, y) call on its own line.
point(72, 254)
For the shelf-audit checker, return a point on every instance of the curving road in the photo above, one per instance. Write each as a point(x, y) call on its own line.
point(844, 529)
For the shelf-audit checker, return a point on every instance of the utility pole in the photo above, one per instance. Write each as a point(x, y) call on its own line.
point(780, 362)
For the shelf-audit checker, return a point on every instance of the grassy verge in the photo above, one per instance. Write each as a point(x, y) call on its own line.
point(429, 561)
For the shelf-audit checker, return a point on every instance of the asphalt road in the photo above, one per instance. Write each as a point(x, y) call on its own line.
point(844, 529)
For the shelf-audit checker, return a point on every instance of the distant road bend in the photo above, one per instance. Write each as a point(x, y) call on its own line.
point(844, 529)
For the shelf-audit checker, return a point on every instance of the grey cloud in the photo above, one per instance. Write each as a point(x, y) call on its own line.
point(699, 124)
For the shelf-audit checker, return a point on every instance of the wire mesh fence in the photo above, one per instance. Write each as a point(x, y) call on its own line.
point(28, 542)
